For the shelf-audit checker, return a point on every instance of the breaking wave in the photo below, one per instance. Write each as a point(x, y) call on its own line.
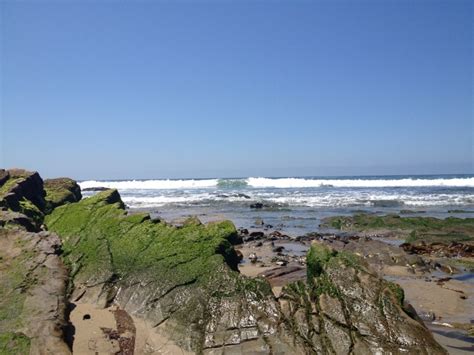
point(151, 184)
point(278, 183)
point(406, 182)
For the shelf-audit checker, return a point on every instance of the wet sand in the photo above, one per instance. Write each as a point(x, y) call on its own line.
point(89, 338)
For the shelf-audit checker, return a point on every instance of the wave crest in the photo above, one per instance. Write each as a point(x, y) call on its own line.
point(282, 183)
point(150, 184)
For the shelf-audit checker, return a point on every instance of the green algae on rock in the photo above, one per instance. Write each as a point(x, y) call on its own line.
point(32, 293)
point(22, 191)
point(183, 279)
point(60, 191)
point(415, 229)
point(345, 308)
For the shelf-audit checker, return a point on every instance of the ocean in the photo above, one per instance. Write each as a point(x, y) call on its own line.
point(296, 204)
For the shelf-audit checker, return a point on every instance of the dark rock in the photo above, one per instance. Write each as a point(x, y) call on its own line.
point(387, 203)
point(278, 235)
point(95, 189)
point(243, 196)
point(240, 256)
point(256, 235)
point(60, 191)
point(236, 238)
point(278, 249)
point(4, 176)
point(253, 257)
point(10, 218)
point(23, 192)
point(257, 205)
point(243, 231)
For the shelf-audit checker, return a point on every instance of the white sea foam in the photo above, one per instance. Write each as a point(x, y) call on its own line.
point(150, 184)
point(281, 183)
point(260, 182)
point(351, 199)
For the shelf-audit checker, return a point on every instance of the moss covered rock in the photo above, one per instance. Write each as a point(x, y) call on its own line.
point(60, 191)
point(32, 293)
point(344, 308)
point(22, 191)
point(181, 279)
point(414, 229)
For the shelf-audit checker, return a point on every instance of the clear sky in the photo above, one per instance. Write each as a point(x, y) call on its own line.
point(153, 89)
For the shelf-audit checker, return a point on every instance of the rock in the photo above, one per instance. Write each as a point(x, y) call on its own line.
point(10, 218)
point(60, 191)
point(243, 231)
point(257, 235)
point(349, 309)
point(427, 316)
point(240, 256)
point(4, 176)
point(243, 196)
point(32, 293)
point(22, 191)
point(183, 280)
point(257, 205)
point(387, 203)
point(278, 235)
point(95, 189)
point(453, 249)
point(413, 229)
point(253, 257)
point(278, 249)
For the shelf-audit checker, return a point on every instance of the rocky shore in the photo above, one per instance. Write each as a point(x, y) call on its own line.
point(89, 276)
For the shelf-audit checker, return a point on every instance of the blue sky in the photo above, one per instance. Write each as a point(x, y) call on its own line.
point(141, 89)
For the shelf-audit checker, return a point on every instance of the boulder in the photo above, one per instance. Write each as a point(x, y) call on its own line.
point(23, 192)
point(16, 219)
point(60, 191)
point(346, 308)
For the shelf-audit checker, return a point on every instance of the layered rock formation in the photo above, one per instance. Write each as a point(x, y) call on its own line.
point(182, 278)
point(33, 277)
point(345, 308)
point(33, 301)
point(22, 191)
point(414, 229)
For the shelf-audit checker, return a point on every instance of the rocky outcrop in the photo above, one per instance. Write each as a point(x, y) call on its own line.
point(10, 219)
point(60, 191)
point(344, 308)
point(451, 250)
point(181, 279)
point(32, 293)
point(414, 229)
point(22, 191)
point(184, 281)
